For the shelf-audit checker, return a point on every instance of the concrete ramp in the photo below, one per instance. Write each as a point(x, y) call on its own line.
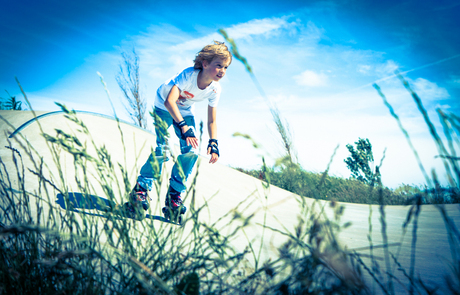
point(225, 194)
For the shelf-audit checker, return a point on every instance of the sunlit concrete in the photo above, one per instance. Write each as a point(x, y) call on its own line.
point(222, 189)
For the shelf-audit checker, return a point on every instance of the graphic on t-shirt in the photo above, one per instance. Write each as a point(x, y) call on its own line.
point(184, 95)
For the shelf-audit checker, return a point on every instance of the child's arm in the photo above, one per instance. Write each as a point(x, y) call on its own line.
point(212, 130)
point(171, 105)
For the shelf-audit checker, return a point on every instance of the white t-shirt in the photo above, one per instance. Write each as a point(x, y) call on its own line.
point(187, 83)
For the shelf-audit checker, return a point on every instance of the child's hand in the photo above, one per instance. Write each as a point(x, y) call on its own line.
point(214, 157)
point(190, 138)
point(213, 150)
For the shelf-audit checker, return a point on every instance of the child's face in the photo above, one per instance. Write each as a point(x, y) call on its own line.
point(216, 68)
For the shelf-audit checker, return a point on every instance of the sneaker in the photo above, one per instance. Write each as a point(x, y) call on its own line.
point(140, 194)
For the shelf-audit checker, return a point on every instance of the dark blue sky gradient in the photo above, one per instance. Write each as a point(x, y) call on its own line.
point(47, 38)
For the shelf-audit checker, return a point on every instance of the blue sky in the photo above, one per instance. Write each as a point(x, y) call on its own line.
point(316, 60)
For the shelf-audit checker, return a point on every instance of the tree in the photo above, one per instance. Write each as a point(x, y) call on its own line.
point(10, 103)
point(360, 162)
point(128, 80)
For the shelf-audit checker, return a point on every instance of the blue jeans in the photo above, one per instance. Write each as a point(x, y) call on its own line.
point(185, 162)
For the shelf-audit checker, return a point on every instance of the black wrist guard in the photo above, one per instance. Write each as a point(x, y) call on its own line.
point(188, 133)
point(214, 148)
point(180, 124)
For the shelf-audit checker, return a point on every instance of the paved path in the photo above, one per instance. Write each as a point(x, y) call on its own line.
point(223, 188)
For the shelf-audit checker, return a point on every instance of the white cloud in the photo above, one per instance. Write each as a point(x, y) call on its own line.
point(240, 31)
point(364, 69)
point(311, 79)
point(256, 27)
point(311, 33)
point(387, 68)
point(429, 90)
point(198, 43)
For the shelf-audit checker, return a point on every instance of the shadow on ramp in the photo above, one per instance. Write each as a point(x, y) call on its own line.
point(81, 201)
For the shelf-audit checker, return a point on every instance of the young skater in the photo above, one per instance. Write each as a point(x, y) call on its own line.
point(174, 105)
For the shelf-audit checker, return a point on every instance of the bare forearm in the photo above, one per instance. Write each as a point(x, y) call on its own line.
point(212, 122)
point(171, 106)
point(173, 110)
point(212, 130)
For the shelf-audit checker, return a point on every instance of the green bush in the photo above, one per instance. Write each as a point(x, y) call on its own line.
point(327, 187)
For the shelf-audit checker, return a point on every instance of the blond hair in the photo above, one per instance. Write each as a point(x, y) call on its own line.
point(209, 52)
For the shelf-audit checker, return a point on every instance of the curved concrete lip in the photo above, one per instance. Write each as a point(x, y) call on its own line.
point(42, 115)
point(223, 188)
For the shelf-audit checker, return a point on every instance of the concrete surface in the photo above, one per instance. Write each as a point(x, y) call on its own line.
point(224, 188)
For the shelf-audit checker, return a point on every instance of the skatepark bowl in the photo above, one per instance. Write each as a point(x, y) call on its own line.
point(63, 175)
